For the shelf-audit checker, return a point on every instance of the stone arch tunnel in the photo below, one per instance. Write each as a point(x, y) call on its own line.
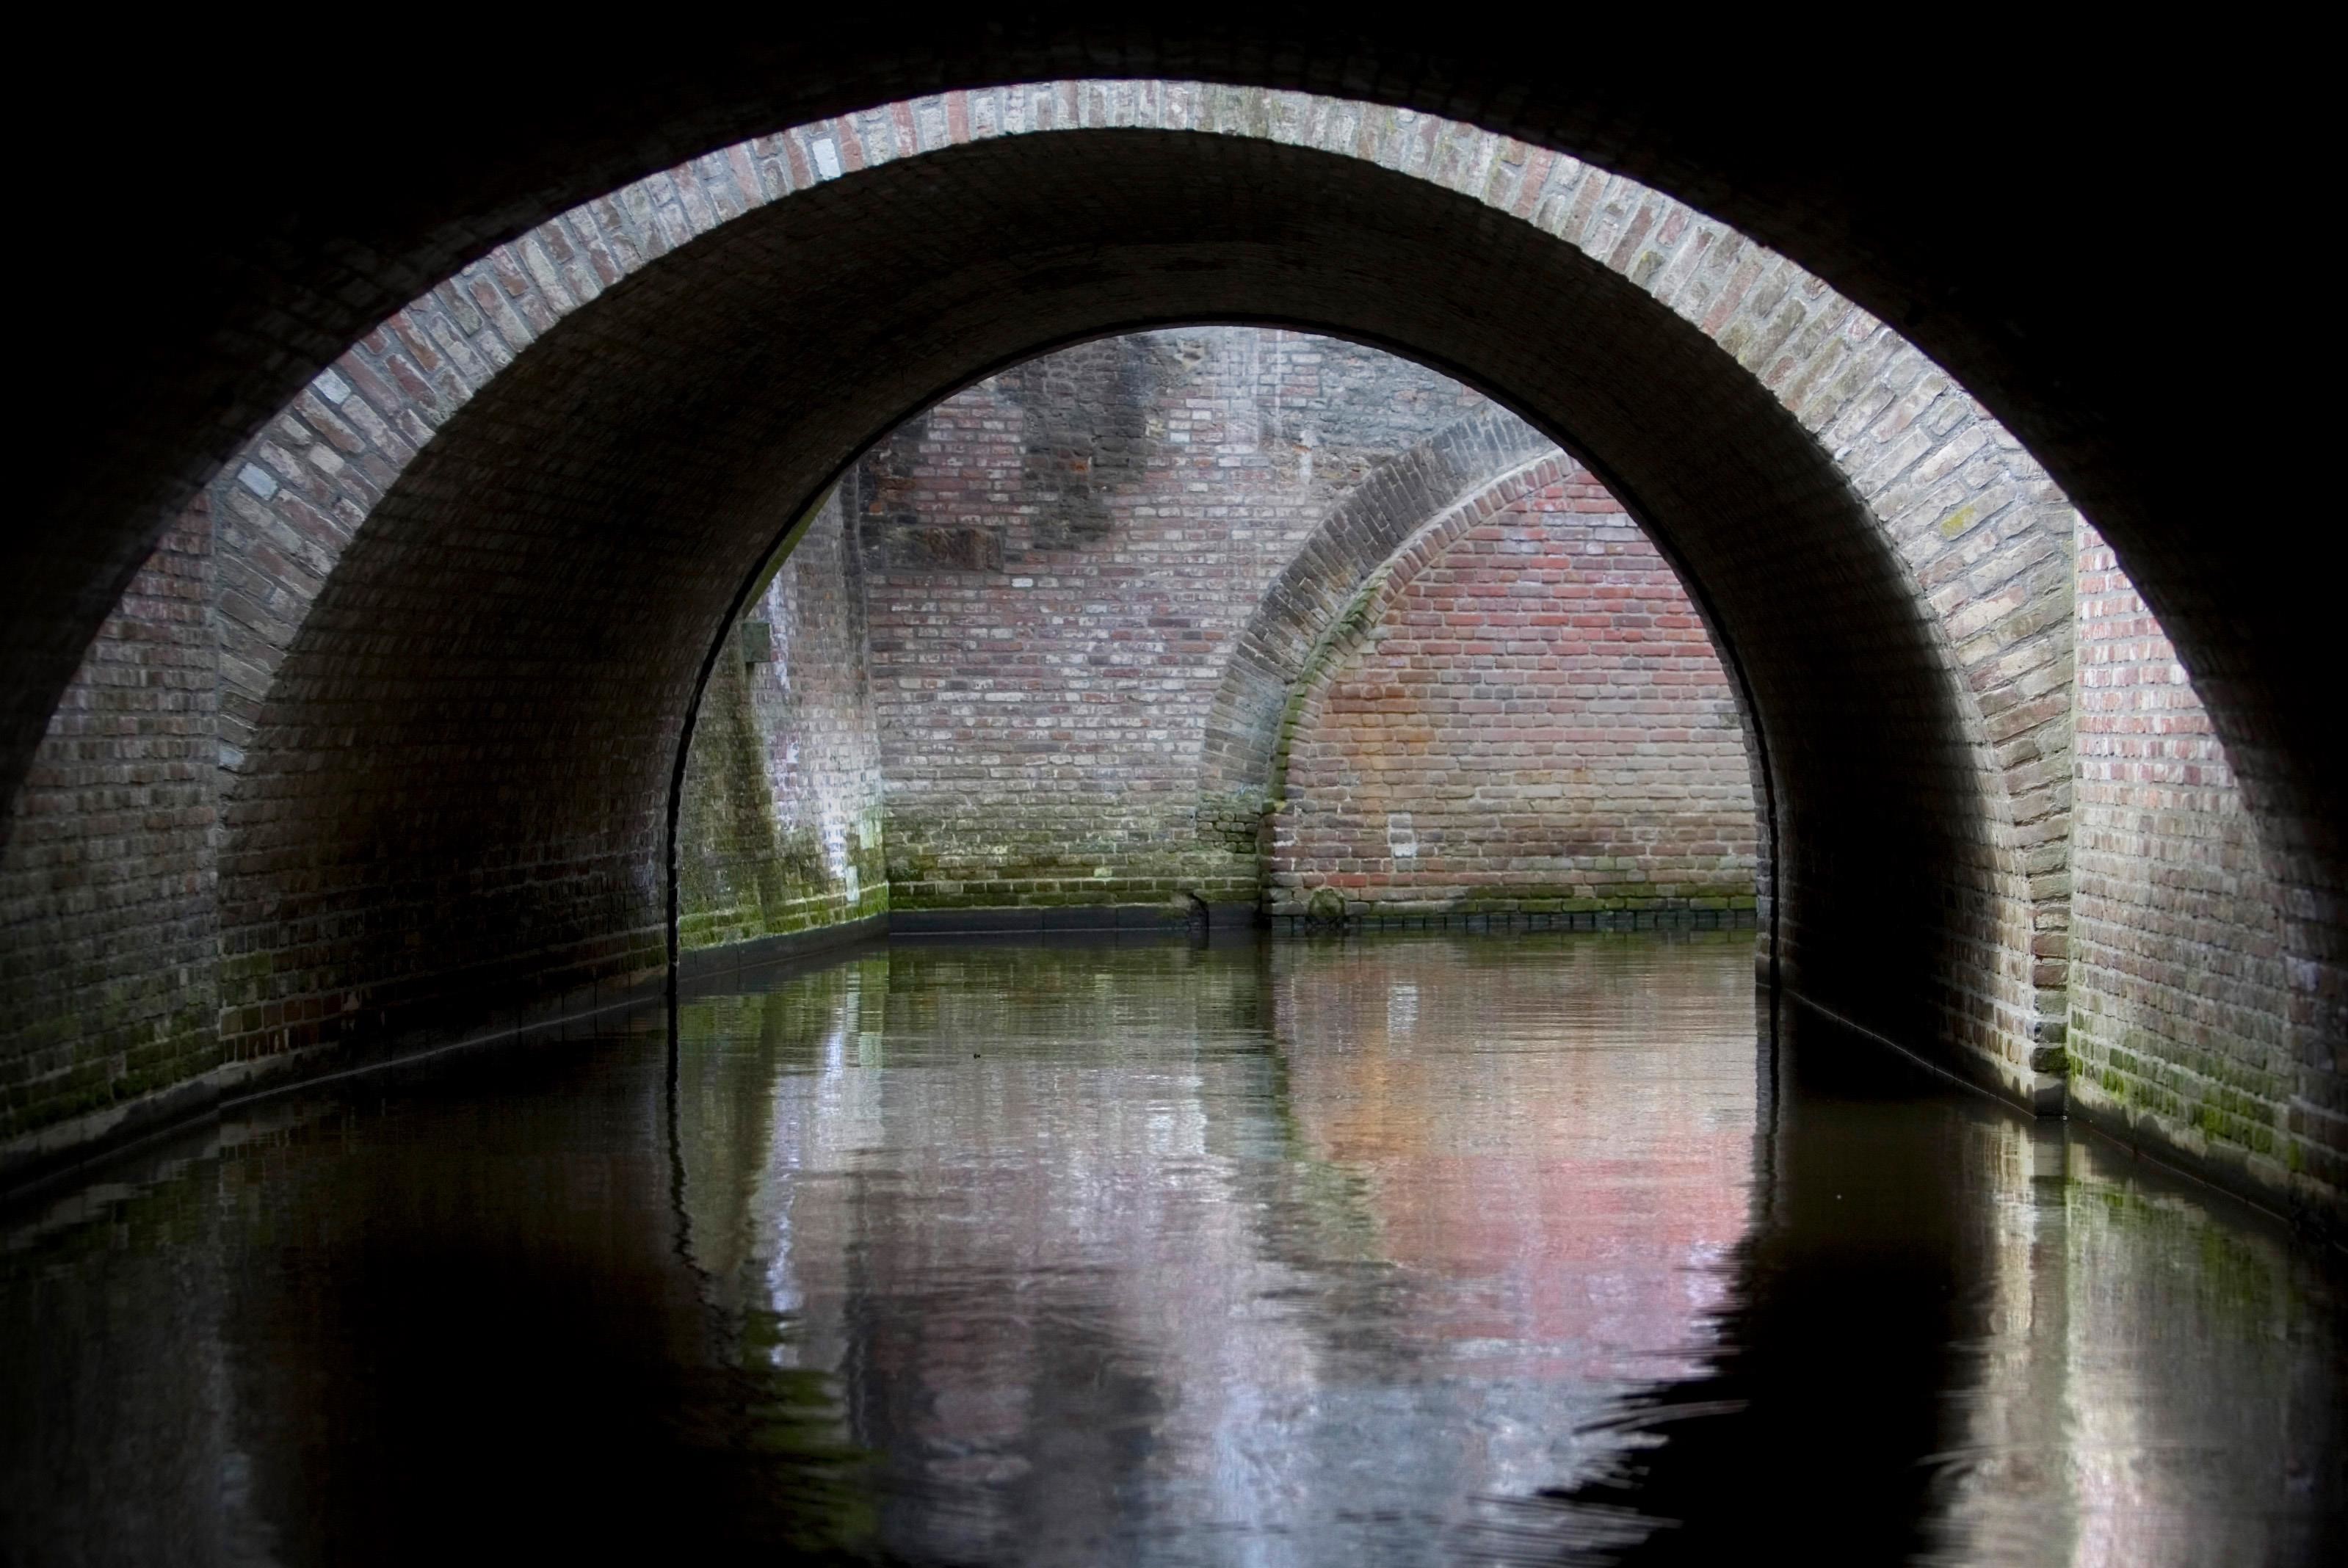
point(405, 571)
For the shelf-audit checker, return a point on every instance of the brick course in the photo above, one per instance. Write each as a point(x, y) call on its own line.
point(1526, 716)
point(1294, 617)
point(111, 860)
point(2184, 1030)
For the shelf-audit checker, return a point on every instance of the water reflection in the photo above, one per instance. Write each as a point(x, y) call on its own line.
point(1962, 1337)
point(1302, 1251)
point(2149, 1383)
point(1399, 1250)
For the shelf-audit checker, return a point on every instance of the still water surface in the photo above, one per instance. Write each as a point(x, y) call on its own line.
point(1393, 1250)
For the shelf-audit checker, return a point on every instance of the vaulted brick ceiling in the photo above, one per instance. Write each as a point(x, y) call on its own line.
point(486, 697)
point(275, 195)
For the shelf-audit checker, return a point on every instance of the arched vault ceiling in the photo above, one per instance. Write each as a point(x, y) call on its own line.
point(477, 708)
point(280, 191)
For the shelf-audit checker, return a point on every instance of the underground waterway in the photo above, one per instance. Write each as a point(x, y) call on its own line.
point(1406, 1249)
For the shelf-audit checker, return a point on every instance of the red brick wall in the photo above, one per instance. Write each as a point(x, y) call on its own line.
point(1534, 721)
point(1058, 561)
point(2180, 1010)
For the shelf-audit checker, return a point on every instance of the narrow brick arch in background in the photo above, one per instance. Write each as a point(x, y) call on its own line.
point(1336, 591)
point(352, 689)
point(1359, 533)
point(1520, 711)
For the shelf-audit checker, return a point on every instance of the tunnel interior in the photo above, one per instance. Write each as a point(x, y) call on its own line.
point(506, 533)
point(601, 507)
point(489, 692)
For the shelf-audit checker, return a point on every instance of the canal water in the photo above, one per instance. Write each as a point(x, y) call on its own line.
point(1382, 1250)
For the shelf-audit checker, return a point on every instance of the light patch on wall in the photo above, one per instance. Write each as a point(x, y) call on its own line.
point(1401, 840)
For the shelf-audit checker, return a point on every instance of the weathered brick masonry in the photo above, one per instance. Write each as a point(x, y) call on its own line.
point(2061, 352)
point(780, 824)
point(2185, 1028)
point(1058, 562)
point(111, 860)
point(480, 561)
point(1527, 717)
point(393, 849)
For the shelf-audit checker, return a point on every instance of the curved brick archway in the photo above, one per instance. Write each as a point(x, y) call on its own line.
point(349, 451)
point(1360, 532)
point(1477, 624)
point(699, 444)
point(1971, 514)
point(162, 367)
point(596, 499)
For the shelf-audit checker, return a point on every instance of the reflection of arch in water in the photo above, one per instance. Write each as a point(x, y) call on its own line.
point(492, 549)
point(1238, 1178)
point(1517, 1111)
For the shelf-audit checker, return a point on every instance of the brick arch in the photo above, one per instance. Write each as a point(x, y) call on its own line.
point(1360, 531)
point(459, 443)
point(243, 312)
point(1372, 544)
point(1327, 693)
point(1338, 636)
point(589, 902)
point(1981, 526)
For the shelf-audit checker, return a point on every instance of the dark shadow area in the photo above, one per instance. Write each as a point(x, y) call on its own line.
point(392, 1355)
point(1851, 1361)
point(1828, 1396)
